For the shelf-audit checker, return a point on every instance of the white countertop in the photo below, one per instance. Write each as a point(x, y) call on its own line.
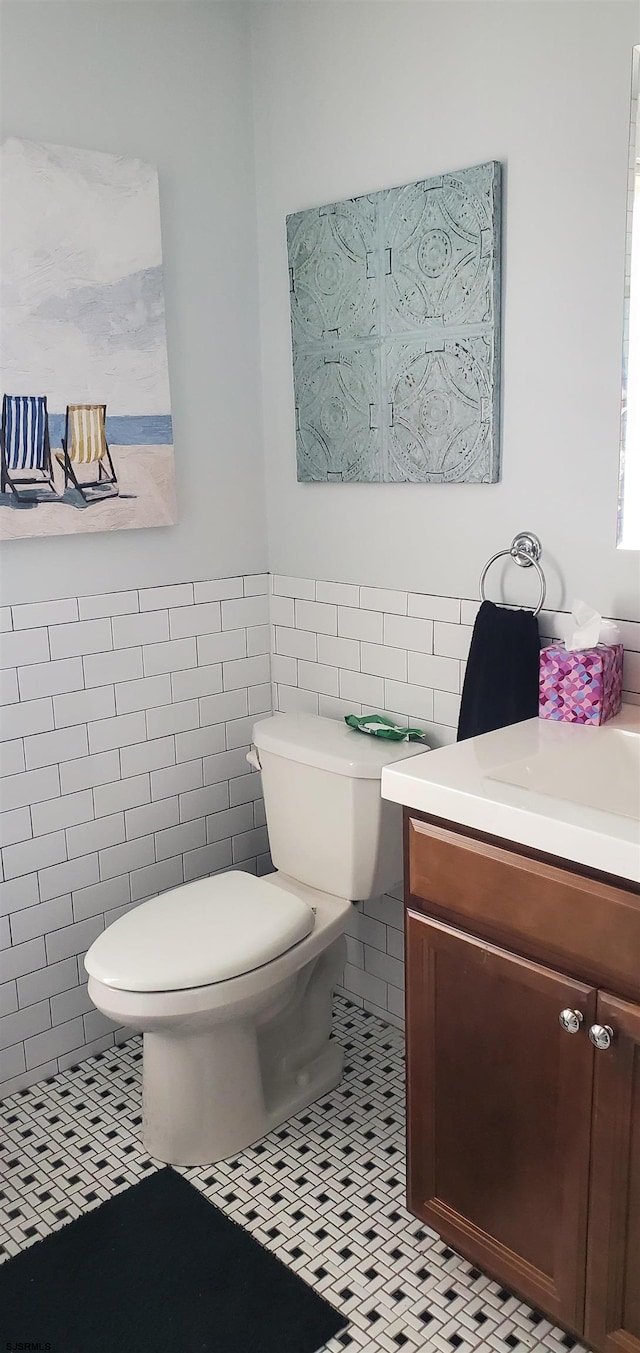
point(566, 789)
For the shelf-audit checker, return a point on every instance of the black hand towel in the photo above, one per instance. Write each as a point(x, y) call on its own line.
point(501, 681)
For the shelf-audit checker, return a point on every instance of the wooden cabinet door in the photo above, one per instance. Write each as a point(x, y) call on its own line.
point(499, 1112)
point(613, 1273)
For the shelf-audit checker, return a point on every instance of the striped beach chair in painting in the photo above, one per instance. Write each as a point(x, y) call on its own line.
point(25, 448)
point(85, 443)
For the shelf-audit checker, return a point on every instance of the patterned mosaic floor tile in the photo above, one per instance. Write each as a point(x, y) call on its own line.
point(324, 1192)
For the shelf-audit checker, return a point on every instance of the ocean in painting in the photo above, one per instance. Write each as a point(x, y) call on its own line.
point(144, 430)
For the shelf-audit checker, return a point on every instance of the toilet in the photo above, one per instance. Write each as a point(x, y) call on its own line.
point(230, 978)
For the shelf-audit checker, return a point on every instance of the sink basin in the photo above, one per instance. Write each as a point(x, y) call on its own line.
point(567, 790)
point(602, 771)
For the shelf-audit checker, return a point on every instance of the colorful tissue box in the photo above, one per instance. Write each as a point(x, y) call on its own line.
point(581, 687)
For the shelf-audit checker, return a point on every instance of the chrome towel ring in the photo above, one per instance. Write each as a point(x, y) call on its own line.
point(525, 550)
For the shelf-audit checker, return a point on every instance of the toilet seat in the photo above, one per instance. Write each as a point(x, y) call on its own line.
point(198, 934)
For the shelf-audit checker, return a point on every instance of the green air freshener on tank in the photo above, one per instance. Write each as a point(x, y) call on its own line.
point(377, 726)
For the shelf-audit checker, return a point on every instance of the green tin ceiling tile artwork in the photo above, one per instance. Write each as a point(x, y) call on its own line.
point(395, 322)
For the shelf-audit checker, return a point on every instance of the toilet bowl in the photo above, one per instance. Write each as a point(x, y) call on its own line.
point(229, 1058)
point(230, 979)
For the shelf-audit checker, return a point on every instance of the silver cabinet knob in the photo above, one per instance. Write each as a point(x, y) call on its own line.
point(570, 1020)
point(601, 1035)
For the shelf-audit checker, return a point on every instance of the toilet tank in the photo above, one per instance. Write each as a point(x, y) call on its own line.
point(328, 825)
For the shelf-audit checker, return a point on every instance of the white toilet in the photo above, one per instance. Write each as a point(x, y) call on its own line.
point(230, 978)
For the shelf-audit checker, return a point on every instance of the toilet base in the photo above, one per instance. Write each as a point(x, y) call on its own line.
point(208, 1092)
point(195, 1107)
point(314, 1082)
point(197, 1110)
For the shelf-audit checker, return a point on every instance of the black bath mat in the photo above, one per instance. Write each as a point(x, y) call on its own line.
point(158, 1269)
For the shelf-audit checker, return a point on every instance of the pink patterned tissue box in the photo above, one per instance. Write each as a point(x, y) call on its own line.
point(584, 686)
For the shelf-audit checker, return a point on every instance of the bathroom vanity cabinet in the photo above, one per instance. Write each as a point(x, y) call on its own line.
point(523, 1051)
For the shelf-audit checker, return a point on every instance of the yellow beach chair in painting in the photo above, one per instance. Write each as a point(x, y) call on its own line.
point(85, 443)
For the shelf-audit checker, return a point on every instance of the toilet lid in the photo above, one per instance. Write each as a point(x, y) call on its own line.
point(202, 932)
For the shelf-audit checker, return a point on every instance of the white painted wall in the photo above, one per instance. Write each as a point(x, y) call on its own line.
point(170, 84)
point(353, 97)
point(350, 97)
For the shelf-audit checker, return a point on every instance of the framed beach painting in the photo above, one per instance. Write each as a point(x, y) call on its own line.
point(86, 441)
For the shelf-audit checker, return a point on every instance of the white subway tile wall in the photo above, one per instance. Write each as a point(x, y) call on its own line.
point(338, 649)
point(126, 719)
point(125, 722)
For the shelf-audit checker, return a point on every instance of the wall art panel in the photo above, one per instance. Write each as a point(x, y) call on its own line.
point(395, 322)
